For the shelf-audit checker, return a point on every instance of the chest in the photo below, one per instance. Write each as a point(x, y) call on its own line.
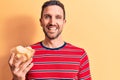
point(55, 65)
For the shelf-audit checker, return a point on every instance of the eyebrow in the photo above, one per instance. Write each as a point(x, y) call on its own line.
point(47, 14)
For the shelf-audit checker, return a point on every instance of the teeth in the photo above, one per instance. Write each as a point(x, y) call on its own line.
point(52, 28)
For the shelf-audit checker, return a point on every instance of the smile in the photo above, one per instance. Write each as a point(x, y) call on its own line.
point(52, 28)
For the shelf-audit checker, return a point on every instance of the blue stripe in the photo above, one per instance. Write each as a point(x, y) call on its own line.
point(56, 62)
point(56, 55)
point(53, 70)
point(85, 77)
point(85, 70)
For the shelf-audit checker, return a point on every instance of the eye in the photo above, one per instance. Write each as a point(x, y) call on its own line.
point(58, 17)
point(47, 16)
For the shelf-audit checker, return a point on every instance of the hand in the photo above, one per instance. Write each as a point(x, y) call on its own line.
point(18, 68)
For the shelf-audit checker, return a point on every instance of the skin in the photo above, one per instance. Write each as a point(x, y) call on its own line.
point(18, 68)
point(52, 22)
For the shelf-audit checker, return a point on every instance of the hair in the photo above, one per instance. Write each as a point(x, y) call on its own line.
point(53, 2)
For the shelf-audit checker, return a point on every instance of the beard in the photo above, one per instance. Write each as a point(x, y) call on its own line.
point(51, 37)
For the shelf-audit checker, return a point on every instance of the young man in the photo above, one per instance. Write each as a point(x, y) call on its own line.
point(54, 59)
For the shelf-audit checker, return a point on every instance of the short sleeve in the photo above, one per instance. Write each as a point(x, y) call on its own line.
point(84, 70)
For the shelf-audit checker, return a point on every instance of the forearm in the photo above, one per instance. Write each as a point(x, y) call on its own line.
point(16, 78)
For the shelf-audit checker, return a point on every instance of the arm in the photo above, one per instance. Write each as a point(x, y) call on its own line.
point(84, 73)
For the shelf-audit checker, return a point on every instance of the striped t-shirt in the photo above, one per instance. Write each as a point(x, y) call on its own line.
point(63, 63)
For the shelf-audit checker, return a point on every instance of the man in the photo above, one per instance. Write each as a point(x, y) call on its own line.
point(54, 59)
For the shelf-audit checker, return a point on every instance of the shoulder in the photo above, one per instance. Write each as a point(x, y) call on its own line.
point(71, 46)
point(36, 45)
point(79, 51)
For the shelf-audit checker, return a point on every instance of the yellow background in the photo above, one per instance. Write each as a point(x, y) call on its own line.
point(91, 24)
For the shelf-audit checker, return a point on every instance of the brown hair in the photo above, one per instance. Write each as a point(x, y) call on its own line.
point(53, 2)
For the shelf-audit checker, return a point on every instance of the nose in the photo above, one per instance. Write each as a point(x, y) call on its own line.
point(52, 21)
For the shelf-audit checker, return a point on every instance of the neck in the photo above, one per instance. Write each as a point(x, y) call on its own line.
point(54, 43)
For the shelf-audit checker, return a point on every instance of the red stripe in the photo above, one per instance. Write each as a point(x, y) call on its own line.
point(45, 75)
point(55, 67)
point(45, 59)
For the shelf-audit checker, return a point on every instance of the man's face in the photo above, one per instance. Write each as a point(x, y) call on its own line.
point(52, 21)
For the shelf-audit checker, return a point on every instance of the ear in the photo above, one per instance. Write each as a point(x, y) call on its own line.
point(64, 21)
point(40, 20)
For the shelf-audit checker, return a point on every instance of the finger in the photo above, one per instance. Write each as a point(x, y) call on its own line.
point(18, 62)
point(16, 69)
point(10, 61)
point(26, 64)
point(28, 68)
